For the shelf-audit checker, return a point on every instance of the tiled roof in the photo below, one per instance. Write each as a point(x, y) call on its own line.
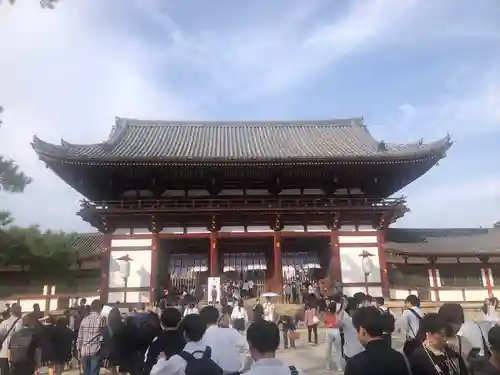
point(90, 244)
point(190, 141)
point(444, 241)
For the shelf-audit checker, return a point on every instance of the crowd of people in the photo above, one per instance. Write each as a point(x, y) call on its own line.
point(192, 341)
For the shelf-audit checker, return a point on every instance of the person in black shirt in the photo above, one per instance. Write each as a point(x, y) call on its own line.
point(378, 358)
point(288, 328)
point(169, 342)
point(61, 343)
point(435, 356)
point(490, 365)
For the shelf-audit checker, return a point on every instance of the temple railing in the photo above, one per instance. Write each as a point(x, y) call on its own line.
point(263, 204)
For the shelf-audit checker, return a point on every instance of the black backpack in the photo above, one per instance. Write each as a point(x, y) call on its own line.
point(200, 366)
point(22, 346)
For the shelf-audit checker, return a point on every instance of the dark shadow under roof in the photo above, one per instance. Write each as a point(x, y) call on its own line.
point(241, 141)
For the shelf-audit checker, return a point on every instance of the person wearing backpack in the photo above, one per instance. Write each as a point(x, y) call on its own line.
point(409, 323)
point(196, 358)
point(389, 320)
point(7, 328)
point(264, 339)
point(24, 349)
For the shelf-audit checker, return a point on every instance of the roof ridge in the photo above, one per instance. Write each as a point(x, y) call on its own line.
point(340, 122)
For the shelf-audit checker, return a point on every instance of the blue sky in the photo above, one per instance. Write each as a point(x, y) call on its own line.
point(412, 68)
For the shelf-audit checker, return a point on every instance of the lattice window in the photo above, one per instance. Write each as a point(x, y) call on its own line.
point(460, 275)
point(408, 275)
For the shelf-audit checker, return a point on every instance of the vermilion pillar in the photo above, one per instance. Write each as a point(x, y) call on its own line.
point(335, 266)
point(153, 282)
point(277, 280)
point(486, 273)
point(434, 276)
point(214, 256)
point(105, 260)
point(384, 277)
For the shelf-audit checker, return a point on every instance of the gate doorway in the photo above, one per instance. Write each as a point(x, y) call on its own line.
point(184, 264)
point(305, 259)
point(246, 260)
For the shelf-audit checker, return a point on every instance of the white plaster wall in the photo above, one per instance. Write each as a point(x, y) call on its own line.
point(173, 230)
point(357, 239)
point(451, 295)
point(259, 228)
point(475, 294)
point(140, 269)
point(433, 295)
point(132, 297)
point(351, 266)
point(132, 242)
point(4, 302)
point(233, 229)
point(27, 304)
point(374, 291)
point(293, 228)
point(399, 294)
point(317, 228)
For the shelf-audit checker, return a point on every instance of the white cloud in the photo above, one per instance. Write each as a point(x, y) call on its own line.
point(463, 202)
point(285, 49)
point(63, 74)
point(68, 72)
point(469, 107)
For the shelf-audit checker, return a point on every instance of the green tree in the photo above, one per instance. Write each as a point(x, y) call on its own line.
point(16, 247)
point(52, 254)
point(48, 254)
point(12, 180)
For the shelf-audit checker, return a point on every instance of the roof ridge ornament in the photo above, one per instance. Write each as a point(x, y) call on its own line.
point(381, 146)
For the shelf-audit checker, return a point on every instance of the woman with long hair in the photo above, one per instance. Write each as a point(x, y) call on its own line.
point(311, 320)
point(333, 336)
point(112, 348)
point(239, 317)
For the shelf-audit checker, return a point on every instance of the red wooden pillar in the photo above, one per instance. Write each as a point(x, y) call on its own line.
point(214, 256)
point(105, 261)
point(153, 282)
point(277, 277)
point(336, 265)
point(384, 277)
point(487, 277)
point(434, 277)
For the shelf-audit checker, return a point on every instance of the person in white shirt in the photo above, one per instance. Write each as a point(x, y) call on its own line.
point(269, 310)
point(352, 345)
point(250, 287)
point(489, 310)
point(191, 309)
point(264, 339)
point(193, 328)
point(229, 347)
point(409, 323)
point(239, 317)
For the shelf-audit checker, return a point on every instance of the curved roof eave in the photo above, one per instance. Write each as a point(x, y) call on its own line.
point(437, 150)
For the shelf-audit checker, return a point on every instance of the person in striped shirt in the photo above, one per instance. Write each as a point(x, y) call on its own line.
point(89, 340)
